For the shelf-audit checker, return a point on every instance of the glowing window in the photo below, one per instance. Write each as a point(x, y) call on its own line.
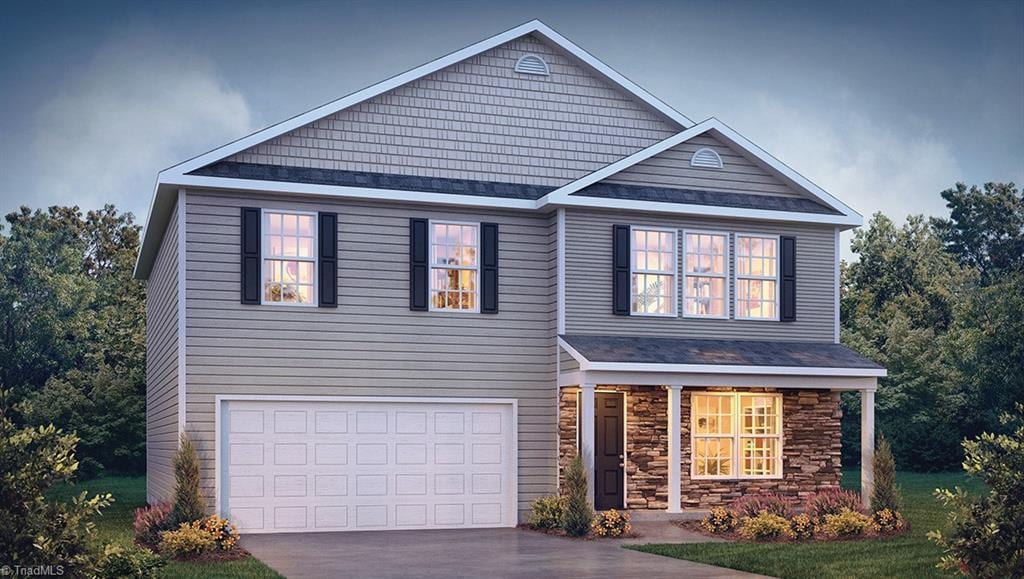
point(653, 275)
point(289, 257)
point(736, 435)
point(454, 266)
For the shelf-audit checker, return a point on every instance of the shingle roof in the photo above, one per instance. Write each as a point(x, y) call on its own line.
point(648, 350)
point(701, 197)
point(337, 177)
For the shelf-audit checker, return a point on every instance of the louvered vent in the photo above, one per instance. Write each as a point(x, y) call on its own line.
point(706, 158)
point(532, 64)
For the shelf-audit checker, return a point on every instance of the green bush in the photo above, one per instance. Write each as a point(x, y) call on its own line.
point(985, 535)
point(764, 526)
point(886, 494)
point(36, 530)
point(719, 520)
point(188, 503)
point(611, 523)
point(801, 527)
point(128, 561)
point(846, 523)
point(546, 513)
point(578, 513)
point(187, 542)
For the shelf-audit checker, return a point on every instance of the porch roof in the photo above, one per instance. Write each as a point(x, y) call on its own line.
point(741, 356)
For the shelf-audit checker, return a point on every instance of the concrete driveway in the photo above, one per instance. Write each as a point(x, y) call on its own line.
point(462, 553)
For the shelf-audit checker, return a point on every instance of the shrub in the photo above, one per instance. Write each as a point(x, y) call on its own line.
point(188, 503)
point(752, 505)
point(37, 530)
point(886, 495)
point(150, 522)
point(846, 523)
point(578, 512)
point(719, 520)
point(187, 542)
point(611, 523)
point(128, 561)
point(801, 527)
point(547, 512)
point(985, 533)
point(224, 533)
point(832, 502)
point(764, 526)
point(888, 521)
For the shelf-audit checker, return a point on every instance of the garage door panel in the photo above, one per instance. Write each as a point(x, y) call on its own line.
point(324, 465)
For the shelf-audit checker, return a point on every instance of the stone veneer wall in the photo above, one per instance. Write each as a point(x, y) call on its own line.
point(811, 447)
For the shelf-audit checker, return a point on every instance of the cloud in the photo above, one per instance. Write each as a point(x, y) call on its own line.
point(140, 104)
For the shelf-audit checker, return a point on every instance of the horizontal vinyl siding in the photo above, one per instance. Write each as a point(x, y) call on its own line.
point(566, 363)
point(480, 120)
point(372, 345)
point(162, 366)
point(672, 169)
point(589, 280)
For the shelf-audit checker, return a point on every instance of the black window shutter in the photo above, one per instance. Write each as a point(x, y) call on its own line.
point(620, 270)
point(418, 267)
point(489, 268)
point(328, 260)
point(250, 246)
point(787, 296)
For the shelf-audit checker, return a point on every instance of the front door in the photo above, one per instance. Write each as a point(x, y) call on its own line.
point(609, 456)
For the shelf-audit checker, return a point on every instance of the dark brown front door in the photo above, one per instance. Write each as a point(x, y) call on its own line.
point(608, 450)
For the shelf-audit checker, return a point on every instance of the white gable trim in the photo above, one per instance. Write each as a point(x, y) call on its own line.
point(532, 27)
point(788, 175)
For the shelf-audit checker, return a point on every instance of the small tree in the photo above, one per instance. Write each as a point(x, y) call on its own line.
point(986, 534)
point(38, 530)
point(578, 513)
point(886, 494)
point(188, 503)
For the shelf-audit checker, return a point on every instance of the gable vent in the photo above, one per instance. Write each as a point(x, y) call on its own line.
point(532, 64)
point(707, 158)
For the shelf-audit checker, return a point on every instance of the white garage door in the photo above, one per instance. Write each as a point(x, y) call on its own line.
point(365, 465)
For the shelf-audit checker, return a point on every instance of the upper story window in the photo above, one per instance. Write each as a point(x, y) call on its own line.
point(757, 268)
point(289, 257)
point(736, 435)
point(653, 272)
point(705, 275)
point(454, 266)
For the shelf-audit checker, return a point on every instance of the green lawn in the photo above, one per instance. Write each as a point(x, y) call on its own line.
point(911, 555)
point(115, 525)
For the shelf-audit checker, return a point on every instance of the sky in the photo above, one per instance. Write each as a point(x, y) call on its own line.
point(884, 105)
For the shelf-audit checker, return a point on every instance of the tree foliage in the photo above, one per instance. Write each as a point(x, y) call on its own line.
point(188, 502)
point(985, 228)
point(579, 514)
point(886, 495)
point(72, 329)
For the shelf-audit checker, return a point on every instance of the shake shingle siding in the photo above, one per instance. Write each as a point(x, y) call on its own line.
point(479, 120)
point(162, 367)
point(672, 169)
point(371, 344)
point(589, 281)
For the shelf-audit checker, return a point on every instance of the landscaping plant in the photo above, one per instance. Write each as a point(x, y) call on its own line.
point(832, 502)
point(985, 534)
point(150, 521)
point(120, 561)
point(886, 495)
point(764, 526)
point(188, 503)
point(801, 527)
point(719, 520)
point(888, 522)
point(755, 504)
point(187, 542)
point(846, 523)
point(225, 535)
point(578, 513)
point(612, 523)
point(35, 530)
point(546, 513)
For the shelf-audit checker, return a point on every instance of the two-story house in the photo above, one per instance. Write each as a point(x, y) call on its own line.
point(407, 307)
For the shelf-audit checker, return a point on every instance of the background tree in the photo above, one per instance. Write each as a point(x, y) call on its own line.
point(985, 228)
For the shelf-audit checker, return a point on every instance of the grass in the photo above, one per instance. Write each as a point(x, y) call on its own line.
point(910, 555)
point(114, 525)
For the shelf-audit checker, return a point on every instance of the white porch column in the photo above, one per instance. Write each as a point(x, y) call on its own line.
point(675, 455)
point(867, 445)
point(586, 426)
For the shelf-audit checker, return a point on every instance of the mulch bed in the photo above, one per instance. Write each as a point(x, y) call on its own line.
point(587, 537)
point(236, 553)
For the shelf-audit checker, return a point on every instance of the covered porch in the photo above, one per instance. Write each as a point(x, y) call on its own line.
point(672, 424)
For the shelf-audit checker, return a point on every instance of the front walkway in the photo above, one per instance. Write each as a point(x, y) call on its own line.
point(463, 553)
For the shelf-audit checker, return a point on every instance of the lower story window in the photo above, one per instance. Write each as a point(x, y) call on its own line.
point(736, 435)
